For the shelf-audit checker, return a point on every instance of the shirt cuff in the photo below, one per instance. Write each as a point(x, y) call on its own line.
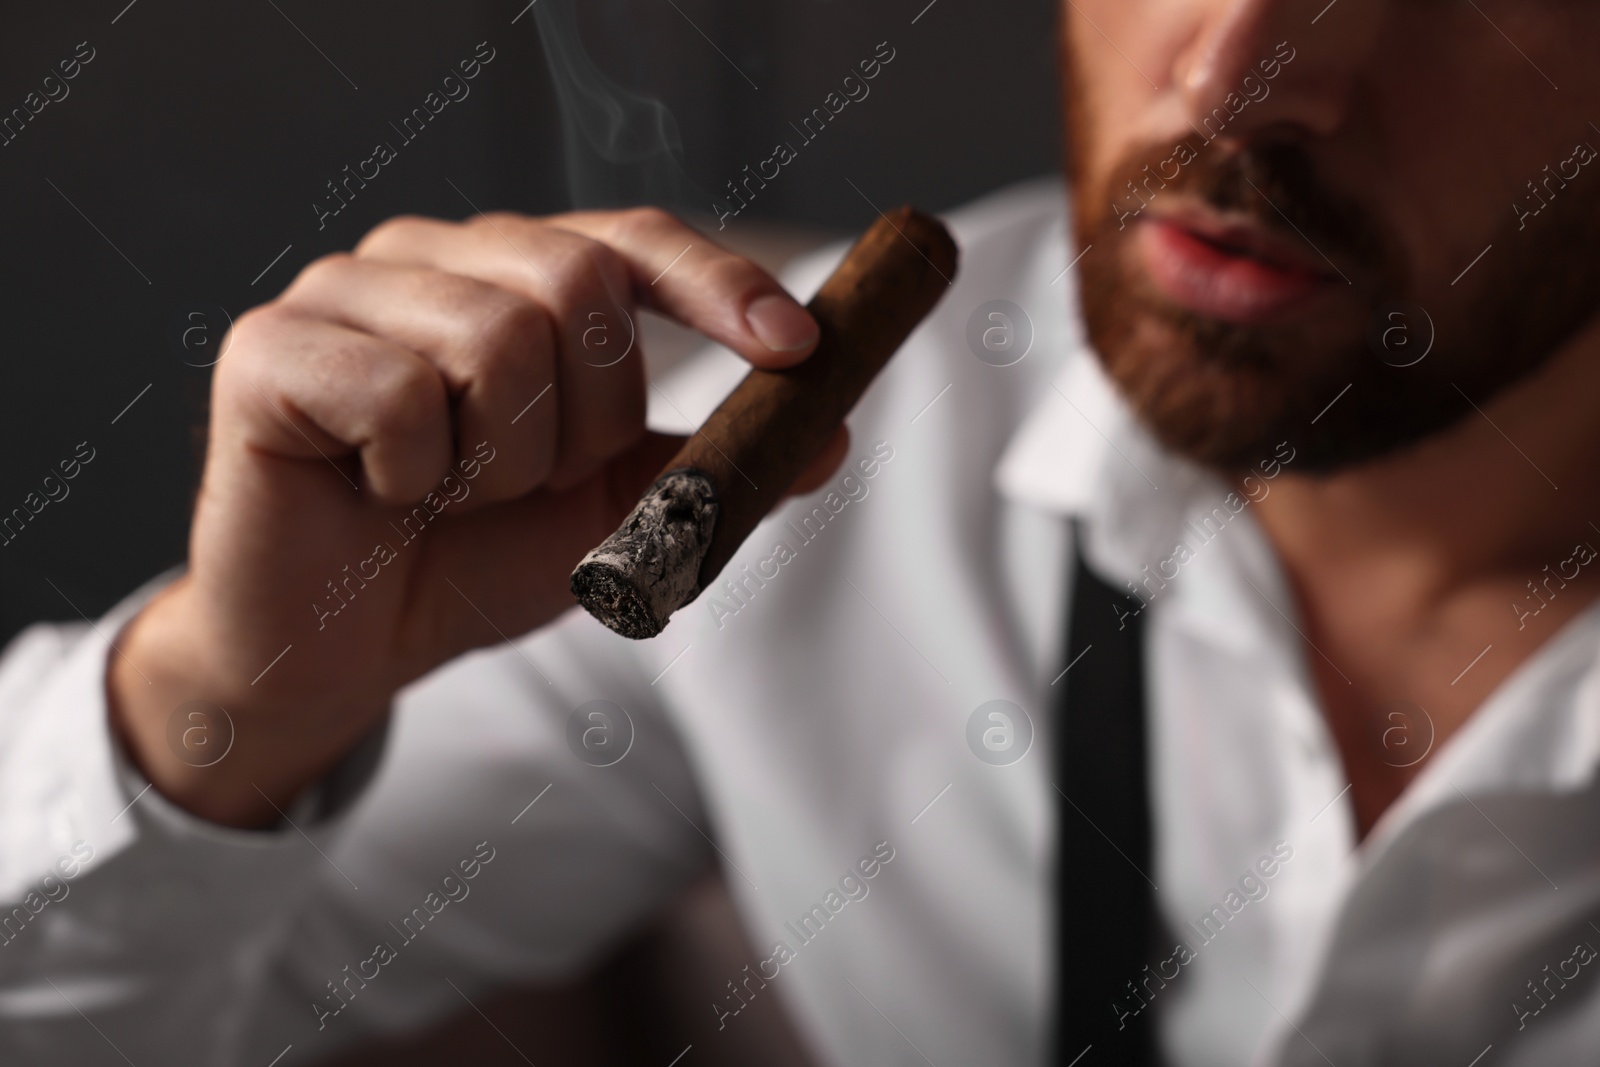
point(66, 781)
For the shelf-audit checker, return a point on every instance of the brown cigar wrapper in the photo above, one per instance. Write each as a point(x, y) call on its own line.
point(738, 466)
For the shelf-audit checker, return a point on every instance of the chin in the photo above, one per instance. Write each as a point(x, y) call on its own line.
point(1221, 409)
point(1227, 396)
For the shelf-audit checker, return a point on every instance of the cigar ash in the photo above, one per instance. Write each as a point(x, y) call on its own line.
point(650, 567)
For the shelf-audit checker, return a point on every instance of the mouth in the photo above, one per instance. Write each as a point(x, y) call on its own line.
point(1235, 272)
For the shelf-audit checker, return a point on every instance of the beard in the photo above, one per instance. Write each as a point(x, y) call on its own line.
point(1225, 394)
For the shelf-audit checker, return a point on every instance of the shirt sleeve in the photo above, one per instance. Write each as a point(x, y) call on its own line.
point(495, 830)
point(98, 871)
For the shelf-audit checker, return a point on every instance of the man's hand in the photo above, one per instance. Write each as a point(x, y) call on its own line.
point(409, 451)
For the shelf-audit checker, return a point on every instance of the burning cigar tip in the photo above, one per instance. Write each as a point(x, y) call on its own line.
point(641, 574)
point(730, 474)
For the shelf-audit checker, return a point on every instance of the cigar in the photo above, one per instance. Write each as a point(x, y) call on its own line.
point(739, 465)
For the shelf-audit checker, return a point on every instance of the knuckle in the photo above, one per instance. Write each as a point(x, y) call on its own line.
point(641, 227)
point(255, 321)
point(389, 233)
point(321, 272)
point(502, 219)
point(456, 295)
point(511, 330)
point(406, 395)
point(728, 273)
point(646, 221)
point(608, 266)
point(250, 357)
point(578, 275)
point(249, 333)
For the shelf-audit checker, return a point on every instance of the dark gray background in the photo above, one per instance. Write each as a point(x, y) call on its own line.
point(201, 133)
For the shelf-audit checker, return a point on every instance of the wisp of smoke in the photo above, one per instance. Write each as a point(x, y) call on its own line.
point(621, 147)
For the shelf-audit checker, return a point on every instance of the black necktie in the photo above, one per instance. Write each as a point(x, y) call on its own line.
point(1107, 923)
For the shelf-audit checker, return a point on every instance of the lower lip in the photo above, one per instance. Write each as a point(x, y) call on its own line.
point(1211, 281)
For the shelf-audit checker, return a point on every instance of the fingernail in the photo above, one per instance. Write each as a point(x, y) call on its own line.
point(781, 324)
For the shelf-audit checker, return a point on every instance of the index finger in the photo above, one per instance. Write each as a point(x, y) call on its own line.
point(684, 274)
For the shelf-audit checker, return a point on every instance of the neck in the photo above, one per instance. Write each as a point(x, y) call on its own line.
point(1430, 576)
point(1515, 485)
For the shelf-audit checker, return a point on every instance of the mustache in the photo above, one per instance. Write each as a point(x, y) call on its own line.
point(1275, 184)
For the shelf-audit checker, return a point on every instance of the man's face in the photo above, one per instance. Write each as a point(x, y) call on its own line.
point(1285, 199)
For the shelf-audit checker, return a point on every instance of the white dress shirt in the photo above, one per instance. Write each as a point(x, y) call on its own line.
point(816, 728)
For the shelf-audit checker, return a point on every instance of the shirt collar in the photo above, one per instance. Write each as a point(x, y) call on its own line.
point(1081, 452)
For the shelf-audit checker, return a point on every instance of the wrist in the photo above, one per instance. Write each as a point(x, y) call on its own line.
point(214, 744)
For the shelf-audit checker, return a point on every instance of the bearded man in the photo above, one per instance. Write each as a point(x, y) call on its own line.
point(1194, 660)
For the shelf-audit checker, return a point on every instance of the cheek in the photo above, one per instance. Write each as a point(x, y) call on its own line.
point(1109, 102)
point(1447, 200)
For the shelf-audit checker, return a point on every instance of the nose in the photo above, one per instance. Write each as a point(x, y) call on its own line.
point(1292, 68)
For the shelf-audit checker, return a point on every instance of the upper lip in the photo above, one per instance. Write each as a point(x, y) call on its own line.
point(1247, 237)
